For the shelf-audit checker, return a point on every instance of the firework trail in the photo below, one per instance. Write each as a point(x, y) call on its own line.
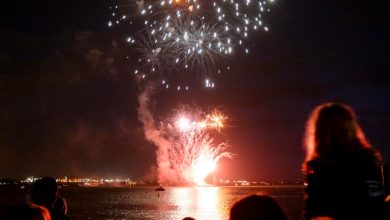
point(186, 152)
point(178, 38)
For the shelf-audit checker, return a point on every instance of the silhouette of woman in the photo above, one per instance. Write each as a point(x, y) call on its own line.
point(342, 172)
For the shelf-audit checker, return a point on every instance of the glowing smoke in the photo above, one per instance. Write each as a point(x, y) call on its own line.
point(186, 152)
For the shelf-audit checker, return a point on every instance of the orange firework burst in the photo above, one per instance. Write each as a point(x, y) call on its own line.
point(193, 151)
point(217, 119)
point(186, 150)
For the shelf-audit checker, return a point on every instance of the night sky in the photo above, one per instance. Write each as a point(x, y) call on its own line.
point(68, 101)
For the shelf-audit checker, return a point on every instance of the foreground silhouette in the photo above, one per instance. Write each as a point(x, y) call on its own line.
point(342, 172)
point(26, 211)
point(257, 207)
point(44, 192)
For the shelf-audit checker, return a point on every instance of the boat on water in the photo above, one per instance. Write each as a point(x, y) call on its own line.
point(160, 188)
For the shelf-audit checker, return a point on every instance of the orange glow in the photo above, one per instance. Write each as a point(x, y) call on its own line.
point(202, 167)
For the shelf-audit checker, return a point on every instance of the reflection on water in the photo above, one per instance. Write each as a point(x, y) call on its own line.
point(197, 202)
point(175, 203)
point(207, 201)
point(180, 196)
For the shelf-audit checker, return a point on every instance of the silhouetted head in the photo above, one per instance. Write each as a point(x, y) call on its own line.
point(332, 129)
point(44, 192)
point(257, 207)
point(27, 211)
point(188, 218)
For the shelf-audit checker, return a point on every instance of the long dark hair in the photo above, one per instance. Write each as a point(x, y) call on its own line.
point(333, 130)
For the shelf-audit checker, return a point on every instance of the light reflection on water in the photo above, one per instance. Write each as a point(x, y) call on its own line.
point(198, 202)
point(207, 202)
point(175, 203)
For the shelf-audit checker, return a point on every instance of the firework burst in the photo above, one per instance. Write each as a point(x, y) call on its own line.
point(186, 149)
point(178, 38)
point(193, 151)
point(185, 47)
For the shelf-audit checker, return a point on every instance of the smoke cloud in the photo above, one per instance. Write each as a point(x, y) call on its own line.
point(165, 173)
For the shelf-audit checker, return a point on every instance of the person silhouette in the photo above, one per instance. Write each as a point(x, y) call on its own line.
point(26, 211)
point(44, 192)
point(257, 207)
point(343, 178)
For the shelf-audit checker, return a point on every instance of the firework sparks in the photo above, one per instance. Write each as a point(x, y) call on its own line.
point(186, 149)
point(176, 37)
point(193, 150)
point(184, 47)
point(213, 121)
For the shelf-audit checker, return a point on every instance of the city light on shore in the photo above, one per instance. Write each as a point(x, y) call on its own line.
point(127, 182)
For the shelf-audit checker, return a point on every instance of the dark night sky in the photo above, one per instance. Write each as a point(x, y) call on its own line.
point(68, 103)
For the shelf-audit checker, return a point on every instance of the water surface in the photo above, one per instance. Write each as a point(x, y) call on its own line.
point(175, 203)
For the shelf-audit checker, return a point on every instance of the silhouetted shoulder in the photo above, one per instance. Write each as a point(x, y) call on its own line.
point(26, 211)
